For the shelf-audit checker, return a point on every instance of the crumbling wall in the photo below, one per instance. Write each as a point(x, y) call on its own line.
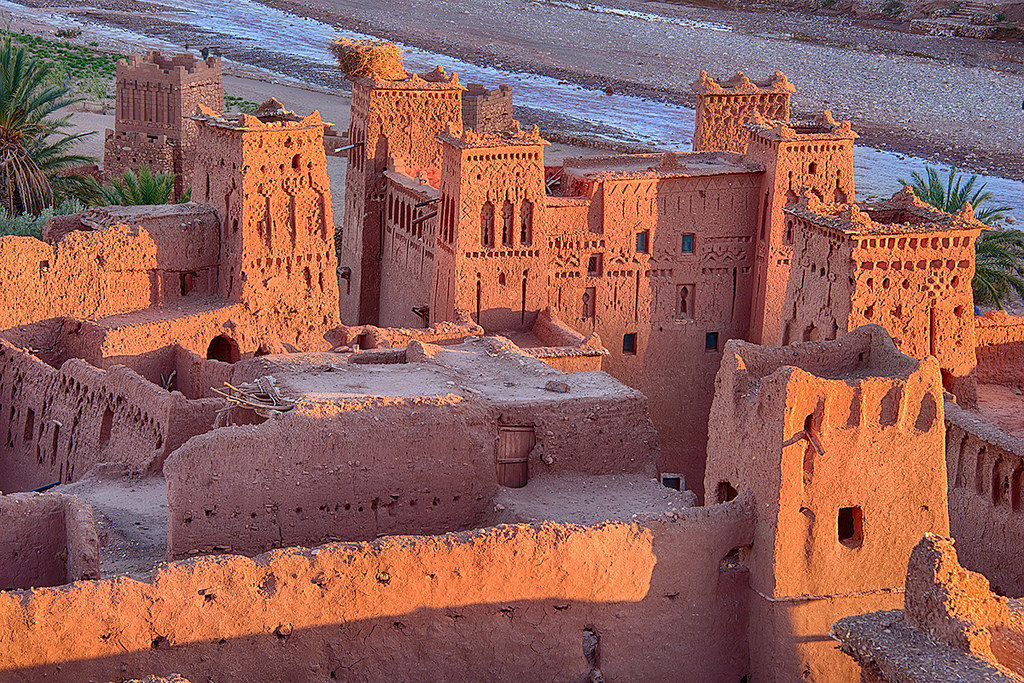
point(1000, 348)
point(89, 274)
point(129, 150)
point(985, 466)
point(60, 423)
point(723, 110)
point(555, 601)
point(46, 540)
point(952, 628)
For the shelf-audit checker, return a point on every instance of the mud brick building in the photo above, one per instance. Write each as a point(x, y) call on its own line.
point(155, 97)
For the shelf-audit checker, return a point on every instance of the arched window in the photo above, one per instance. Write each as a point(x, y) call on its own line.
point(223, 349)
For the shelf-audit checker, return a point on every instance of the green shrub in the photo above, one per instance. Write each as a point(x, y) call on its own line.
point(29, 225)
point(892, 8)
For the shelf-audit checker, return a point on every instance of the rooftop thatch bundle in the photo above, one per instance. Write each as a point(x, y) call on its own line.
point(369, 58)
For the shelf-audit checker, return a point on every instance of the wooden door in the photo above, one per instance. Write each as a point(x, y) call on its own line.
point(514, 446)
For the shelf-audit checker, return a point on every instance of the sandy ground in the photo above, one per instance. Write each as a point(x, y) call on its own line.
point(131, 516)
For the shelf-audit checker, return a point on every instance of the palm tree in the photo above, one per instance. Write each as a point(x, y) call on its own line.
point(951, 195)
point(999, 266)
point(34, 146)
point(145, 187)
point(999, 253)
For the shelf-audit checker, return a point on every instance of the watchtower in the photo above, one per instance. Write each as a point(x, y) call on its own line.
point(266, 176)
point(155, 98)
point(724, 109)
point(840, 447)
point(390, 119)
point(488, 259)
point(813, 156)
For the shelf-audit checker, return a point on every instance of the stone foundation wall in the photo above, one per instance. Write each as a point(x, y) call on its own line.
point(649, 602)
point(985, 466)
point(46, 540)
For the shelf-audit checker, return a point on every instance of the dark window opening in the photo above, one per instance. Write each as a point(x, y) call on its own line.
point(629, 343)
point(594, 266)
point(672, 481)
point(687, 246)
point(641, 242)
point(851, 527)
point(106, 426)
point(187, 282)
point(223, 349)
point(710, 341)
point(726, 492)
point(296, 161)
point(812, 168)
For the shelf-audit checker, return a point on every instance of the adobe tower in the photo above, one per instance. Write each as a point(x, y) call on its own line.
point(155, 97)
point(390, 118)
point(724, 109)
point(266, 176)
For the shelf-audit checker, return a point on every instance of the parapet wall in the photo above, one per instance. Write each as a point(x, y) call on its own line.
point(1000, 348)
point(985, 466)
point(46, 540)
point(648, 601)
point(60, 423)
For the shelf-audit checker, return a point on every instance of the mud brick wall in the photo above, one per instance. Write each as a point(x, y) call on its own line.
point(291, 480)
point(57, 424)
point(985, 466)
point(1000, 348)
point(654, 601)
point(46, 540)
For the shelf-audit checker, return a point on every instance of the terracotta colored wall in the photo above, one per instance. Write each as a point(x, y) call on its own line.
point(88, 274)
point(60, 423)
point(291, 481)
point(407, 267)
point(810, 429)
point(390, 119)
point(511, 601)
point(818, 158)
point(985, 466)
point(46, 540)
point(1000, 351)
point(724, 109)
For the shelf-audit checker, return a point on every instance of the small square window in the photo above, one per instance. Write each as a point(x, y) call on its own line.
point(687, 247)
point(710, 341)
point(641, 242)
point(629, 343)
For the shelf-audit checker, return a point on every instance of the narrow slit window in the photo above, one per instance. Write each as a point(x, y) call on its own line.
point(687, 244)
